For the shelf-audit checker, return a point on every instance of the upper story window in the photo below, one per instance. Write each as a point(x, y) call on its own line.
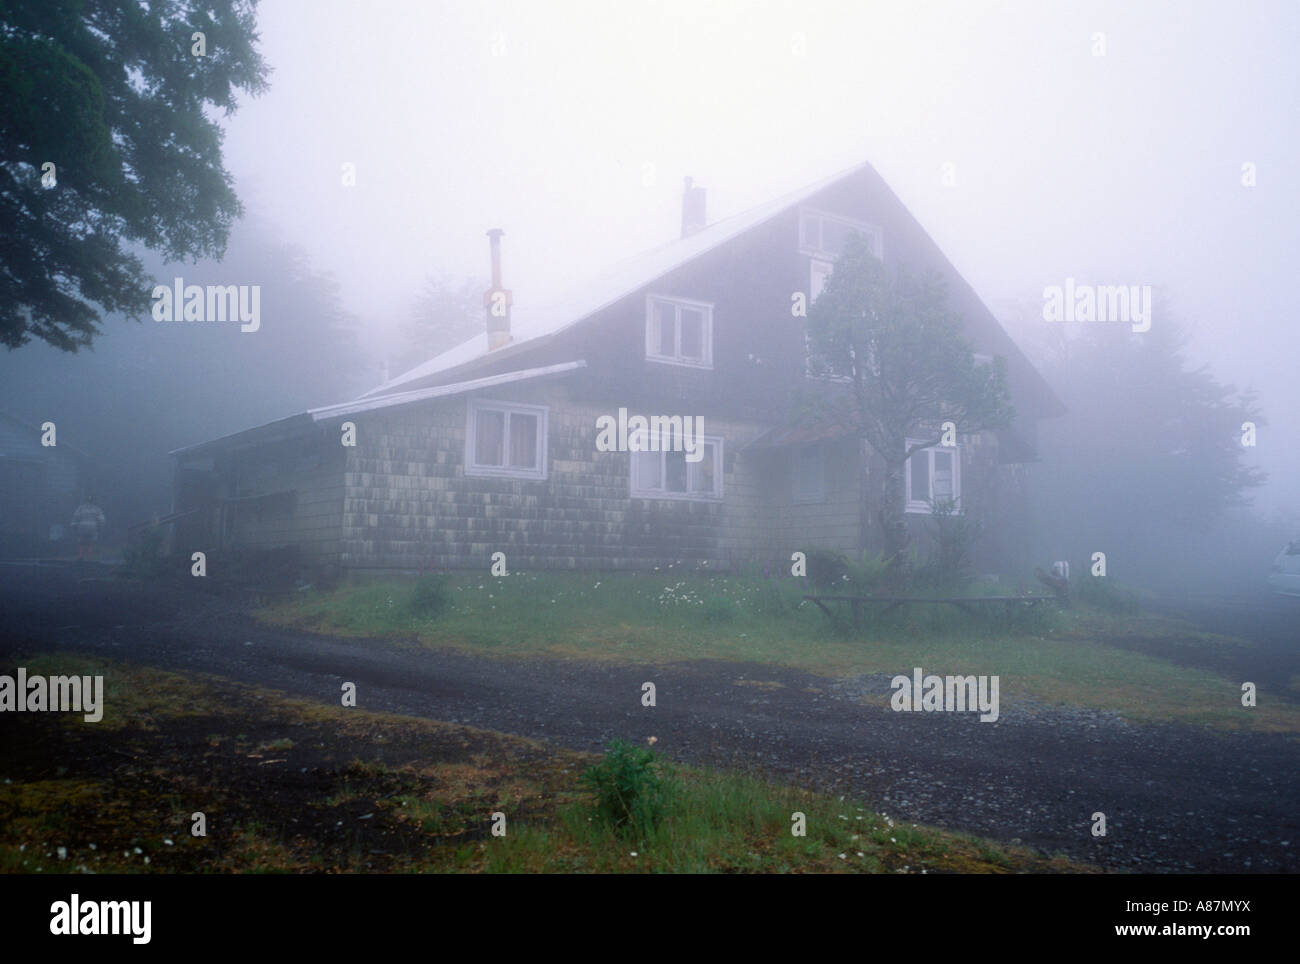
point(823, 235)
point(679, 332)
point(821, 272)
point(669, 475)
point(505, 439)
point(932, 475)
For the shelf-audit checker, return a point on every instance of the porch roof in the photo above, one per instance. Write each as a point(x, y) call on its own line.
point(291, 425)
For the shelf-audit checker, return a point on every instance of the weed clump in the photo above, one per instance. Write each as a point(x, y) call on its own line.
point(632, 788)
point(432, 597)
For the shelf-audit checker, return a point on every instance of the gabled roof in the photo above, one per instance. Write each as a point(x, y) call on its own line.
point(293, 424)
point(528, 324)
point(534, 326)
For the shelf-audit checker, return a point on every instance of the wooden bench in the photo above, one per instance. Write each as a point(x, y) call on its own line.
point(857, 604)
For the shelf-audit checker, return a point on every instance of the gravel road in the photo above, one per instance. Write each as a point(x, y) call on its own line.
point(1177, 798)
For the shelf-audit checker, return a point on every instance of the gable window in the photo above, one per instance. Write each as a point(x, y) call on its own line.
point(505, 439)
point(821, 272)
point(679, 332)
point(932, 475)
point(808, 473)
point(668, 475)
point(823, 235)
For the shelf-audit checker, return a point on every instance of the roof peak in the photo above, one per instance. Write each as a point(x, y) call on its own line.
point(612, 283)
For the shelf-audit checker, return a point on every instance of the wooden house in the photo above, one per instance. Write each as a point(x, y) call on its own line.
point(492, 446)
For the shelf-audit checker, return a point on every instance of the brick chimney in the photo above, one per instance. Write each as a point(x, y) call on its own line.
point(693, 218)
point(497, 300)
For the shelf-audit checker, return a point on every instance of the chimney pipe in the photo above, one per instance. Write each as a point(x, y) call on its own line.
point(497, 300)
point(693, 208)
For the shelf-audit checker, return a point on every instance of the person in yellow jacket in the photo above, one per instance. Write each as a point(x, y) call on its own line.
point(87, 525)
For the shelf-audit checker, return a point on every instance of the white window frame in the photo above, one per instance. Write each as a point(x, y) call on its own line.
point(815, 262)
point(676, 358)
point(822, 263)
point(638, 490)
point(923, 507)
point(816, 493)
point(472, 468)
point(818, 252)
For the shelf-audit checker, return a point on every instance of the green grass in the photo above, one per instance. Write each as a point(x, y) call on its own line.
point(722, 822)
point(429, 789)
point(1052, 656)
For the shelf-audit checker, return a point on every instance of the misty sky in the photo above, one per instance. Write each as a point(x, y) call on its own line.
point(571, 125)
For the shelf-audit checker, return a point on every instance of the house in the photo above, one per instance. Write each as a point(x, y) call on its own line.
point(41, 484)
point(491, 446)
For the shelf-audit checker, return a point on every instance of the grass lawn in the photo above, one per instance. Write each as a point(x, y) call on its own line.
point(1077, 657)
point(291, 786)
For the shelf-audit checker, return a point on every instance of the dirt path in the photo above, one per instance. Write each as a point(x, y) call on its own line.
point(1176, 798)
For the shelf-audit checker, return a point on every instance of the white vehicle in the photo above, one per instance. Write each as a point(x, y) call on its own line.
point(1284, 576)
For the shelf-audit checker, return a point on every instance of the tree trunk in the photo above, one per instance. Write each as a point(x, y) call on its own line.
point(893, 523)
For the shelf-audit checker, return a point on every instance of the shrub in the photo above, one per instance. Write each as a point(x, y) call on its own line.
point(1103, 594)
point(432, 596)
point(954, 533)
point(867, 575)
point(632, 789)
point(827, 569)
point(718, 609)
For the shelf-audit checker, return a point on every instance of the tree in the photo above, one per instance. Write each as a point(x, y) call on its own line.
point(147, 389)
point(898, 368)
point(1150, 455)
point(105, 140)
point(444, 314)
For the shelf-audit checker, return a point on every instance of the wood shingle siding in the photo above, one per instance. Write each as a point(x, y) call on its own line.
point(409, 505)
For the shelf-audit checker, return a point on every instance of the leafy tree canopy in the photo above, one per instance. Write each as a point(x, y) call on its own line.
point(899, 368)
point(116, 97)
point(444, 314)
point(1150, 444)
point(899, 350)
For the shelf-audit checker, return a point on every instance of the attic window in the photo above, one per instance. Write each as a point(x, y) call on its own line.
point(823, 235)
point(679, 332)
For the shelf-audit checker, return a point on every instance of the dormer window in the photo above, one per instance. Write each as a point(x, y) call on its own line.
point(679, 332)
